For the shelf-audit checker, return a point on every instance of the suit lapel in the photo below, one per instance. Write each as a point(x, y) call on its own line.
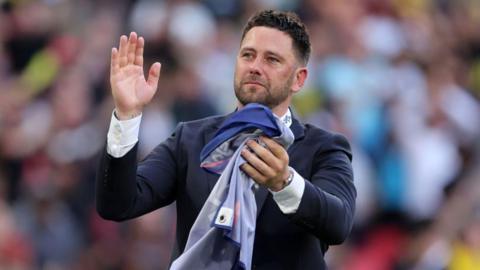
point(260, 196)
point(297, 128)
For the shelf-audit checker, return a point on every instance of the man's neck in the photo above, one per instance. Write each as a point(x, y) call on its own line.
point(283, 113)
point(280, 111)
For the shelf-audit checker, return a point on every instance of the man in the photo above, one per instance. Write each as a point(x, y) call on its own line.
point(308, 193)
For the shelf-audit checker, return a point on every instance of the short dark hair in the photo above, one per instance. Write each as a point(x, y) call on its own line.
point(287, 22)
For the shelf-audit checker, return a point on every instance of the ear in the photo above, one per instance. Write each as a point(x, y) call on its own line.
point(299, 80)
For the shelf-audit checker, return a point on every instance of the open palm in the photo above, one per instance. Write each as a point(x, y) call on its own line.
point(130, 90)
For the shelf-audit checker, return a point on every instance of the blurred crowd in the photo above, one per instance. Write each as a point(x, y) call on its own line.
point(400, 78)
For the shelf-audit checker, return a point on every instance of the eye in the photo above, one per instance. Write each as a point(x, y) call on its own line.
point(247, 55)
point(273, 60)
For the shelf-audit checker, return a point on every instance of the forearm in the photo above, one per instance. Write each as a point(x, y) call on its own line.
point(116, 186)
point(121, 192)
point(126, 190)
point(328, 202)
point(116, 176)
point(327, 216)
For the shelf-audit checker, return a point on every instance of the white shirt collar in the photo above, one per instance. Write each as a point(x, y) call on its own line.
point(287, 118)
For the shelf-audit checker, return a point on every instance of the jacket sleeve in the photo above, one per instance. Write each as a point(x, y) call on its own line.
point(125, 189)
point(328, 202)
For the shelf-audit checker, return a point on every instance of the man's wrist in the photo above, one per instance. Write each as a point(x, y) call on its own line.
point(126, 116)
point(285, 182)
point(122, 135)
point(289, 179)
point(289, 198)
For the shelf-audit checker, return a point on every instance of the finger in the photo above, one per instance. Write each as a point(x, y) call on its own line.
point(139, 52)
point(253, 173)
point(257, 163)
point(114, 62)
point(262, 152)
point(122, 50)
point(132, 45)
point(154, 75)
point(276, 149)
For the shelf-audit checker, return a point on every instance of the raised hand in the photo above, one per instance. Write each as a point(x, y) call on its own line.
point(130, 90)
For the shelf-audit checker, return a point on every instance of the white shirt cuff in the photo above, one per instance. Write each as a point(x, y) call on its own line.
point(122, 135)
point(288, 199)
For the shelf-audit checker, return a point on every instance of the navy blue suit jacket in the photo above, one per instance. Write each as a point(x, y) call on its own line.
point(171, 172)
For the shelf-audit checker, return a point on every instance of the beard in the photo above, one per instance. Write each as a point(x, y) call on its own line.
point(264, 94)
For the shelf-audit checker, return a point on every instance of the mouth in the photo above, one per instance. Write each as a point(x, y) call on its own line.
point(253, 83)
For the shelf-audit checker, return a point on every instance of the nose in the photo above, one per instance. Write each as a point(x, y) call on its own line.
point(255, 66)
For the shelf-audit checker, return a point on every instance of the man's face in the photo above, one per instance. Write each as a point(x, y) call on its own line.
point(265, 68)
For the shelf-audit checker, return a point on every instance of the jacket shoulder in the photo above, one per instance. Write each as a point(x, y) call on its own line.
point(201, 124)
point(315, 132)
point(326, 140)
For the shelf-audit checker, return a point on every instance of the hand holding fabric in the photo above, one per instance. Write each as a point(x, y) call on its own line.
point(267, 165)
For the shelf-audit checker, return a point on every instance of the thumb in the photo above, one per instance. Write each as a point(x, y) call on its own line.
point(154, 75)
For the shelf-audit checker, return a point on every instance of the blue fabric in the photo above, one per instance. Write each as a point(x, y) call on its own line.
point(253, 116)
point(223, 234)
